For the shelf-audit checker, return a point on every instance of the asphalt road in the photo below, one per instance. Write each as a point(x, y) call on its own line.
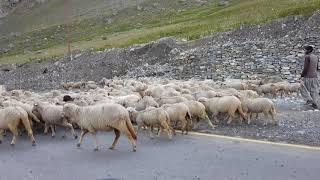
point(185, 157)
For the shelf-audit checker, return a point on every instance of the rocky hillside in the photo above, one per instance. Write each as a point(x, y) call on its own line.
point(36, 31)
point(250, 52)
point(8, 6)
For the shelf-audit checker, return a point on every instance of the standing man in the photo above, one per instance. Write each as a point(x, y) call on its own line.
point(310, 83)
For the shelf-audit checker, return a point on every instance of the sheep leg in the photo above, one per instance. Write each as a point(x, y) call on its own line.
point(215, 118)
point(68, 125)
point(14, 131)
point(53, 133)
point(196, 125)
point(240, 120)
point(273, 117)
point(133, 142)
point(166, 127)
point(249, 118)
point(95, 140)
point(46, 127)
point(229, 120)
point(169, 133)
point(116, 139)
point(266, 118)
point(151, 133)
point(231, 117)
point(4, 133)
point(28, 128)
point(83, 132)
point(1, 135)
point(159, 132)
point(172, 130)
point(184, 126)
point(210, 123)
point(140, 125)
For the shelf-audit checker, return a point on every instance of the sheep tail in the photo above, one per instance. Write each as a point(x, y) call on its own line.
point(241, 112)
point(169, 123)
point(273, 110)
point(131, 129)
point(188, 118)
point(34, 117)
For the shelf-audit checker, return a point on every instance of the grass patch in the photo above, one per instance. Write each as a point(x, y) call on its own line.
point(131, 26)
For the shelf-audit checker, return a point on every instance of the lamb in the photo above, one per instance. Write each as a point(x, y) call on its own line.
point(171, 100)
point(129, 100)
point(282, 87)
point(226, 104)
point(236, 85)
point(248, 94)
point(179, 112)
point(52, 115)
point(206, 94)
point(198, 110)
point(259, 105)
point(73, 85)
point(90, 85)
point(150, 118)
point(188, 97)
point(146, 101)
point(154, 91)
point(103, 117)
point(10, 118)
point(267, 89)
point(16, 93)
point(294, 87)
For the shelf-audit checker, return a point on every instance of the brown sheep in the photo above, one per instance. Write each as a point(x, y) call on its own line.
point(10, 118)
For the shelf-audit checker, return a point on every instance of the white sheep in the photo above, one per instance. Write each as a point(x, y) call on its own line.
point(52, 115)
point(198, 111)
point(248, 94)
point(26, 107)
point(188, 97)
point(206, 94)
point(259, 105)
point(103, 117)
point(171, 100)
point(146, 101)
point(226, 104)
point(10, 118)
point(152, 117)
point(179, 112)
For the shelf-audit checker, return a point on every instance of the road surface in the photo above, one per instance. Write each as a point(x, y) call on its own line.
point(185, 157)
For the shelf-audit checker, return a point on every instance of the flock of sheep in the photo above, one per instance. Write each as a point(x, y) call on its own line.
point(117, 104)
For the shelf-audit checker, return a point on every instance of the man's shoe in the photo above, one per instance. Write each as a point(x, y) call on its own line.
point(309, 102)
point(314, 106)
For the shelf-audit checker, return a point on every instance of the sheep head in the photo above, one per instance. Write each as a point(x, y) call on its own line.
point(203, 99)
point(132, 113)
point(71, 113)
point(141, 89)
point(37, 108)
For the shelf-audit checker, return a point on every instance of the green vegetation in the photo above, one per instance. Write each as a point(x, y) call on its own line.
point(131, 26)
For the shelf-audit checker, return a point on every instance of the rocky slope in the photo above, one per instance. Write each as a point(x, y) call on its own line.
point(251, 52)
